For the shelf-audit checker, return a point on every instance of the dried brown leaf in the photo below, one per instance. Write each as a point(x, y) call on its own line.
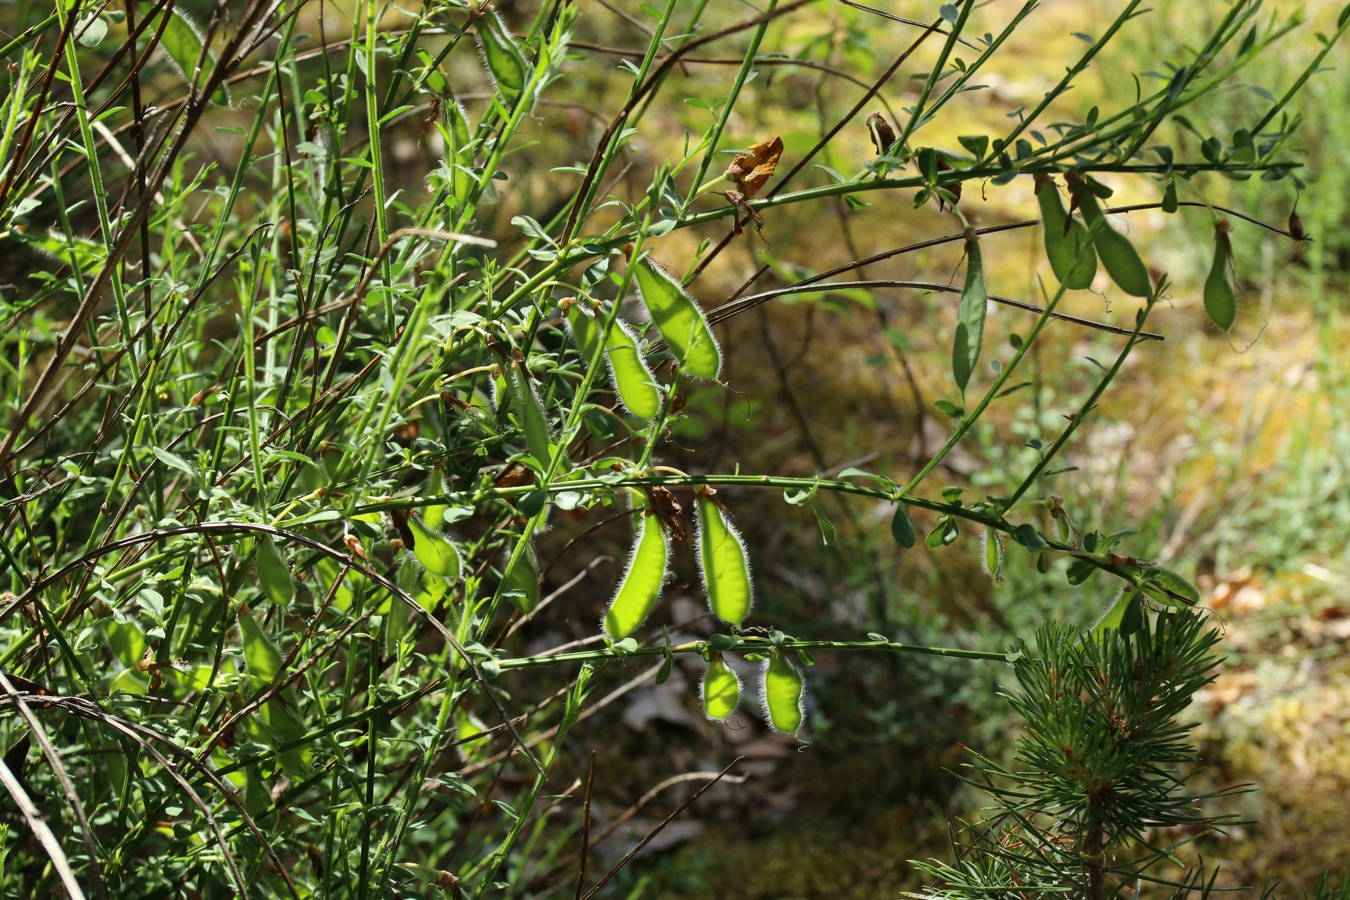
point(883, 136)
point(752, 169)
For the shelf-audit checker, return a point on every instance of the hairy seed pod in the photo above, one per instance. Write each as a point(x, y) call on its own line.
point(633, 380)
point(784, 693)
point(523, 583)
point(1168, 583)
point(1118, 255)
point(991, 555)
point(1220, 300)
point(723, 562)
point(720, 689)
point(262, 659)
point(183, 40)
point(273, 574)
point(1068, 246)
point(678, 318)
point(501, 54)
point(970, 314)
point(529, 409)
point(459, 152)
point(276, 723)
point(641, 585)
point(583, 327)
point(431, 548)
point(433, 514)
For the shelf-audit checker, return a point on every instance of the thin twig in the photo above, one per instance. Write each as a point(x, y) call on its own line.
point(658, 829)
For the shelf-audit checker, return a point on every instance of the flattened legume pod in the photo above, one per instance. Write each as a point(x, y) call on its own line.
point(678, 318)
point(723, 562)
point(1067, 243)
point(431, 548)
point(1118, 255)
point(434, 514)
point(1220, 301)
point(970, 315)
point(501, 55)
point(529, 409)
point(721, 689)
point(584, 329)
point(641, 585)
point(460, 152)
point(783, 693)
point(991, 553)
point(273, 574)
point(262, 659)
point(523, 582)
point(1168, 581)
point(633, 381)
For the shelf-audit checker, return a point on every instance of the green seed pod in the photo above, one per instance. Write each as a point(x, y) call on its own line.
point(282, 727)
point(272, 572)
point(678, 318)
point(529, 409)
point(436, 554)
point(720, 689)
point(970, 315)
point(723, 562)
point(501, 55)
point(1118, 255)
point(641, 585)
point(434, 514)
point(1113, 612)
point(783, 693)
point(1220, 300)
point(991, 555)
point(468, 728)
point(1067, 243)
point(261, 656)
point(584, 329)
point(182, 40)
point(1166, 583)
point(523, 584)
point(459, 151)
point(633, 381)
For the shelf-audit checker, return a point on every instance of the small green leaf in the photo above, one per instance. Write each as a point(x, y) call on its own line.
point(174, 461)
point(1029, 537)
point(902, 529)
point(826, 527)
point(722, 642)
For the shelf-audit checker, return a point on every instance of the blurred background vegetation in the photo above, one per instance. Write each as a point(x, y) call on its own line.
point(1229, 453)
